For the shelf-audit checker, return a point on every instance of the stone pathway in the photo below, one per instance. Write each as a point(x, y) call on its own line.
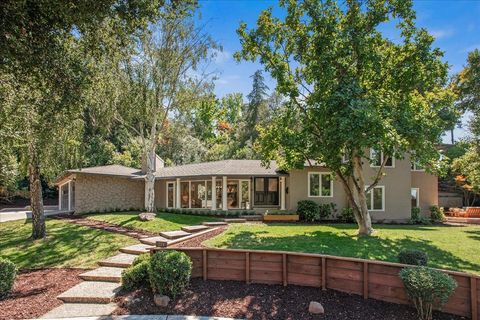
point(94, 296)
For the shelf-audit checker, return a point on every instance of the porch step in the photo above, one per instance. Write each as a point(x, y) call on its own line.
point(174, 234)
point(121, 260)
point(152, 241)
point(254, 217)
point(107, 274)
point(214, 224)
point(193, 229)
point(91, 292)
point(136, 249)
point(235, 220)
point(71, 310)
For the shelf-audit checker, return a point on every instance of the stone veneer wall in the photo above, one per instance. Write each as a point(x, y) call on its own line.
point(101, 193)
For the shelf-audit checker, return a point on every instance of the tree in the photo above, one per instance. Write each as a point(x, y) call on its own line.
point(467, 168)
point(349, 89)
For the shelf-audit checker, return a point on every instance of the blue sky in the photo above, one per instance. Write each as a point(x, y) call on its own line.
point(454, 23)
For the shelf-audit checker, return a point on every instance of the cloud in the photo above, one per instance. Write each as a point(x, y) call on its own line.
point(222, 56)
point(442, 33)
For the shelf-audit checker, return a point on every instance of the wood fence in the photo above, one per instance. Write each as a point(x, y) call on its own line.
point(370, 278)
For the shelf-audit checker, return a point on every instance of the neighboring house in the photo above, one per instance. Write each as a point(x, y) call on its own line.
point(244, 184)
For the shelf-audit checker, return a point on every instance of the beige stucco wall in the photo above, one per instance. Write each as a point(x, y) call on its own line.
point(428, 189)
point(101, 193)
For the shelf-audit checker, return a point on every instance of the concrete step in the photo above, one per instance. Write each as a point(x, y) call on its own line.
point(121, 260)
point(73, 310)
point(193, 229)
point(235, 220)
point(136, 249)
point(215, 224)
point(152, 241)
point(174, 234)
point(91, 292)
point(107, 274)
point(254, 217)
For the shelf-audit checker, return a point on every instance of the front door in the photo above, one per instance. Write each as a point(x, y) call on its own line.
point(266, 192)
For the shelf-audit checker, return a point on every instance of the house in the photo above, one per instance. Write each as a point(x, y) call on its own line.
point(244, 184)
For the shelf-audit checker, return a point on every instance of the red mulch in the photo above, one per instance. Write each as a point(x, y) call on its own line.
point(197, 241)
point(259, 301)
point(35, 292)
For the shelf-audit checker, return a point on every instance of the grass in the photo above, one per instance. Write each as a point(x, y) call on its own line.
point(448, 247)
point(66, 245)
point(163, 221)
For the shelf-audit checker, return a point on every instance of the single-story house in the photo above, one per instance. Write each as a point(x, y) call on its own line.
point(243, 184)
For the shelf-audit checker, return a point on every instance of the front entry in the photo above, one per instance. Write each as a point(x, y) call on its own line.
point(266, 192)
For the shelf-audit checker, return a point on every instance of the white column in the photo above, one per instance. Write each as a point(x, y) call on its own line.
point(177, 191)
point(59, 198)
point(282, 193)
point(69, 196)
point(224, 194)
point(214, 193)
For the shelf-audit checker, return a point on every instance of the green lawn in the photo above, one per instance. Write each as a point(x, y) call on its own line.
point(66, 245)
point(163, 221)
point(448, 247)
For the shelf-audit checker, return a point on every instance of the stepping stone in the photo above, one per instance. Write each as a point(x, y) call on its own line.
point(174, 234)
point(193, 229)
point(136, 249)
point(72, 310)
point(91, 292)
point(214, 224)
point(122, 260)
point(236, 220)
point(108, 274)
point(152, 240)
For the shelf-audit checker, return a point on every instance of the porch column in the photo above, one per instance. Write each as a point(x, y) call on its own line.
point(282, 193)
point(59, 198)
point(224, 194)
point(69, 195)
point(214, 193)
point(177, 191)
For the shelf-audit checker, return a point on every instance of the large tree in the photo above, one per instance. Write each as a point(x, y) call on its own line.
point(349, 88)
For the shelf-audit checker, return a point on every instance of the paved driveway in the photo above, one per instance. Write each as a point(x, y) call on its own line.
point(11, 214)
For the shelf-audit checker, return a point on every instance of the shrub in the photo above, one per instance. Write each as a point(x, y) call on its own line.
point(413, 257)
point(137, 274)
point(436, 214)
point(308, 210)
point(427, 288)
point(417, 218)
point(347, 215)
point(8, 272)
point(326, 210)
point(169, 272)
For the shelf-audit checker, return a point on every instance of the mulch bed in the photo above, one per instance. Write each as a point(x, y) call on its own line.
point(35, 292)
point(197, 241)
point(259, 301)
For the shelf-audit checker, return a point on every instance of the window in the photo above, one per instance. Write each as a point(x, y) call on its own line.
point(170, 194)
point(415, 197)
point(417, 167)
point(266, 191)
point(376, 199)
point(377, 158)
point(320, 184)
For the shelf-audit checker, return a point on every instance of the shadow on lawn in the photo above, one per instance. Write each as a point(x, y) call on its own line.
point(344, 244)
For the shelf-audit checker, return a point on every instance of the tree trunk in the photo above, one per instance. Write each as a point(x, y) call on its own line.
point(451, 135)
point(150, 181)
point(36, 197)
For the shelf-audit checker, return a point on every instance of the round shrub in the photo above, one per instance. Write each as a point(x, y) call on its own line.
point(347, 215)
point(137, 274)
point(437, 214)
point(413, 257)
point(169, 272)
point(8, 272)
point(308, 210)
point(427, 288)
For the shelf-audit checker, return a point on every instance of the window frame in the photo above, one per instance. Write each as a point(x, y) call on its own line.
point(381, 159)
point(174, 194)
point(413, 167)
point(418, 196)
point(320, 173)
point(371, 198)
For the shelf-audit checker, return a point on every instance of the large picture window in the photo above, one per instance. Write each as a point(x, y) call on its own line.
point(415, 193)
point(320, 184)
point(377, 158)
point(376, 199)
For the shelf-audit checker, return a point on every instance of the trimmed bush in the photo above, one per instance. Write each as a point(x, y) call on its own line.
point(347, 215)
point(169, 272)
point(417, 218)
point(326, 210)
point(308, 210)
point(437, 214)
point(137, 274)
point(8, 272)
point(413, 257)
point(427, 288)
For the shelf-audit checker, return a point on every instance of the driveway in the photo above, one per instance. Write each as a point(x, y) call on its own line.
point(12, 214)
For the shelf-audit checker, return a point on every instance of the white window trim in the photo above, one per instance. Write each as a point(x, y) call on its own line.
point(418, 197)
point(174, 195)
point(381, 160)
point(320, 173)
point(371, 199)
point(414, 164)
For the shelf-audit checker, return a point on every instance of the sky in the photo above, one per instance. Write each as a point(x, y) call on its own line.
point(454, 23)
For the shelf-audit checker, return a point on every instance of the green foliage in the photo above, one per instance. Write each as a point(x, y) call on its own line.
point(437, 214)
point(417, 218)
point(137, 274)
point(8, 272)
point(413, 257)
point(347, 215)
point(308, 210)
point(169, 272)
point(427, 288)
point(326, 210)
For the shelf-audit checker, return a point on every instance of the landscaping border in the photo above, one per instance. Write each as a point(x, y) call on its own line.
point(370, 278)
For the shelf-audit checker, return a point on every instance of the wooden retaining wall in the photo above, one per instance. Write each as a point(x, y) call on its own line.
point(370, 278)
